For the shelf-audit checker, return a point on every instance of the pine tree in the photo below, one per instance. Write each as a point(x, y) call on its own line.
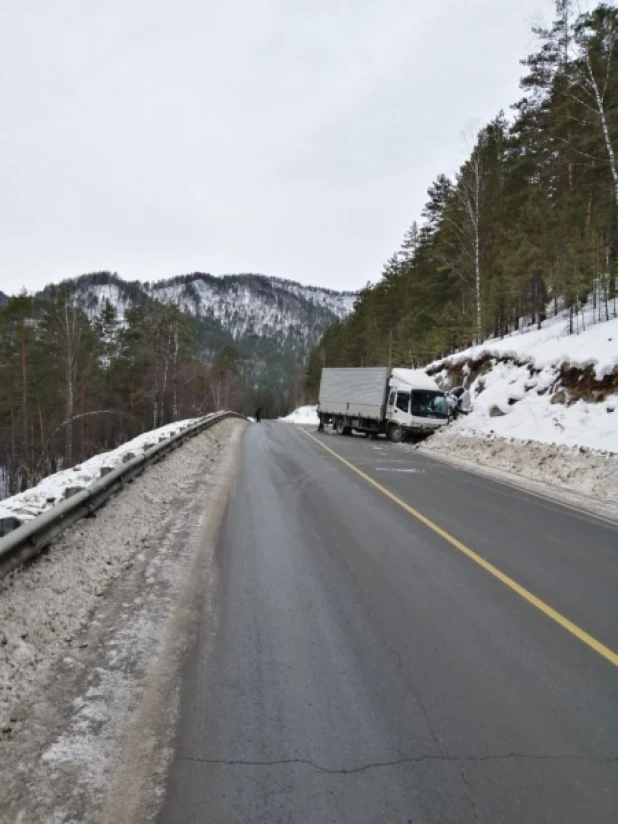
point(530, 219)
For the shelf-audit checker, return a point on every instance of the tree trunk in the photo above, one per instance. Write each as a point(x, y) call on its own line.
point(477, 281)
point(24, 394)
point(70, 405)
point(13, 466)
point(164, 381)
point(83, 425)
point(42, 436)
point(604, 127)
point(175, 378)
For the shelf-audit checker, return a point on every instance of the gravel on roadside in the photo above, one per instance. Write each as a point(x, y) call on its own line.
point(45, 604)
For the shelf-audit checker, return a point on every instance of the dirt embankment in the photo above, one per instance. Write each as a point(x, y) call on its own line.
point(570, 383)
point(582, 384)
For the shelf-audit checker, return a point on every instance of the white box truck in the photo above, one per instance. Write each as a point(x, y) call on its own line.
point(381, 401)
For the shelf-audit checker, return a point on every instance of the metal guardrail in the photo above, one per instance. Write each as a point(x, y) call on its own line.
point(29, 539)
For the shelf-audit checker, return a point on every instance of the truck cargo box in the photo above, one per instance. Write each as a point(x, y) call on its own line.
point(354, 392)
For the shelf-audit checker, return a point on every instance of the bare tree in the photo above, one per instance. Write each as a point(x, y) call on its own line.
point(462, 215)
point(65, 326)
point(175, 374)
point(224, 370)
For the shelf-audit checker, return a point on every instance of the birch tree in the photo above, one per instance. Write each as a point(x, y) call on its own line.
point(223, 372)
point(578, 64)
point(470, 192)
point(68, 337)
point(592, 70)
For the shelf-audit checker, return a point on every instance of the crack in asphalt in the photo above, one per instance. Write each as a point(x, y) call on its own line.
point(465, 759)
point(408, 680)
point(417, 695)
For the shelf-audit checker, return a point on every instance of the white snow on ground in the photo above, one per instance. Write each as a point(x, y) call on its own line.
point(526, 423)
point(533, 417)
point(595, 343)
point(91, 639)
point(50, 490)
point(519, 391)
point(303, 416)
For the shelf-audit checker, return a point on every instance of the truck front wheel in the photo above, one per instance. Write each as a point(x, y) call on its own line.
point(394, 433)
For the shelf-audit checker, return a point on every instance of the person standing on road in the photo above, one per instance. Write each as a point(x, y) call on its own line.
point(258, 414)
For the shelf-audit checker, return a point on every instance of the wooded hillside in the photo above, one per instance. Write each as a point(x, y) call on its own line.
point(71, 387)
point(529, 221)
point(95, 360)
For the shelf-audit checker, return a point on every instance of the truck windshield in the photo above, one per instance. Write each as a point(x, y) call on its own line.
point(428, 404)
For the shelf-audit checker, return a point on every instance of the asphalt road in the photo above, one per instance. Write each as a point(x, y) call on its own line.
point(365, 669)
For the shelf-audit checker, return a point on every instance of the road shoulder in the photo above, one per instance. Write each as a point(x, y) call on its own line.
point(91, 739)
point(575, 500)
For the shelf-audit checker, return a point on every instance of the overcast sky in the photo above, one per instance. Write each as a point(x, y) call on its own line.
point(295, 138)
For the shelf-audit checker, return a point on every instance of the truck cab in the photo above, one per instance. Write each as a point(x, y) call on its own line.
point(414, 402)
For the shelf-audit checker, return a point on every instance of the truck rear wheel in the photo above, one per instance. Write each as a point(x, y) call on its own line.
point(342, 428)
point(394, 433)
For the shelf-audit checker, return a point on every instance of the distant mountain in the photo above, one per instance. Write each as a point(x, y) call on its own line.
point(3, 299)
point(273, 323)
point(255, 304)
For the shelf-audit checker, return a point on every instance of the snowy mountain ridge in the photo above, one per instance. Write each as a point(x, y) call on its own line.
point(273, 323)
point(256, 304)
point(241, 304)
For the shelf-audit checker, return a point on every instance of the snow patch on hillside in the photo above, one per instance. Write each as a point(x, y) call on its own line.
point(97, 295)
point(267, 307)
point(261, 306)
point(339, 303)
point(596, 344)
point(51, 490)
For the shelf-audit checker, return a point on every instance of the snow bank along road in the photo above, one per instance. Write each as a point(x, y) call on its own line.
point(91, 635)
point(398, 640)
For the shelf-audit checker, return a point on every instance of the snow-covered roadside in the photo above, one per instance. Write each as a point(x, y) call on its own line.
point(591, 476)
point(544, 407)
point(51, 490)
point(545, 386)
point(594, 343)
point(303, 416)
point(86, 634)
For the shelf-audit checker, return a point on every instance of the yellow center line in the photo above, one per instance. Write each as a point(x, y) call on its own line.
point(560, 619)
